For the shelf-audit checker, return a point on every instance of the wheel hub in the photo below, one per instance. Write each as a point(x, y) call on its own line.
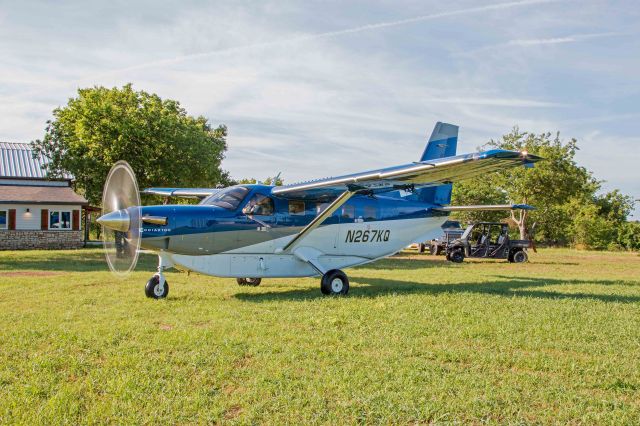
point(158, 290)
point(336, 285)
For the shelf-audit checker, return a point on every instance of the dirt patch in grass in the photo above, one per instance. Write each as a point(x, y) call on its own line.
point(29, 274)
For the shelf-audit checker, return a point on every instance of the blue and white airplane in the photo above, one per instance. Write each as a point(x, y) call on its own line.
point(314, 228)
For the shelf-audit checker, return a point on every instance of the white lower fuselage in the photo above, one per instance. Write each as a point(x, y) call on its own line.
point(334, 246)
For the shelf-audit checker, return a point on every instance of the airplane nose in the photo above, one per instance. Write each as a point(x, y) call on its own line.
point(117, 220)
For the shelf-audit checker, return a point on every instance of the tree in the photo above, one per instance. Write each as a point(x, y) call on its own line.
point(549, 186)
point(276, 181)
point(163, 145)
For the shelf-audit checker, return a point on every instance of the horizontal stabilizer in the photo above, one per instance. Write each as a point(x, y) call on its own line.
point(488, 207)
point(181, 192)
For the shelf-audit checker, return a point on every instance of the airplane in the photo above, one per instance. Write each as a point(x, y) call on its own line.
point(313, 228)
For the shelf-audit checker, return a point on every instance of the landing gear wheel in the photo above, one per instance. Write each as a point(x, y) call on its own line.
point(434, 250)
point(253, 282)
point(153, 290)
point(457, 256)
point(520, 257)
point(334, 283)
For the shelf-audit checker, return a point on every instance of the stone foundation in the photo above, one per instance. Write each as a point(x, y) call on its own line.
point(29, 240)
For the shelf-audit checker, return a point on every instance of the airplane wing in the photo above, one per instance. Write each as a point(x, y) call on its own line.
point(413, 175)
point(181, 192)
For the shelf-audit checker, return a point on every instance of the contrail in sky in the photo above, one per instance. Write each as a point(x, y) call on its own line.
point(329, 34)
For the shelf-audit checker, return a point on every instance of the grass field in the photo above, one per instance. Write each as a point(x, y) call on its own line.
point(417, 340)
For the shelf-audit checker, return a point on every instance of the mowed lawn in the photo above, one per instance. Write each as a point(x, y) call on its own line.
point(418, 339)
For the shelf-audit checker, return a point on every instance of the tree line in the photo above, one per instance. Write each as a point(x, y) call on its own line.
point(167, 147)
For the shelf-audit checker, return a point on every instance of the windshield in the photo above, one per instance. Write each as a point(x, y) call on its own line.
point(228, 198)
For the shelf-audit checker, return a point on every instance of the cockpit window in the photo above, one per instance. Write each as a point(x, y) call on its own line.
point(229, 198)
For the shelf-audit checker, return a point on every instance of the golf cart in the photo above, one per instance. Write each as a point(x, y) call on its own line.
point(488, 240)
point(452, 230)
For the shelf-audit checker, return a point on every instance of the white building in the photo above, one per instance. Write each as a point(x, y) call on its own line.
point(36, 212)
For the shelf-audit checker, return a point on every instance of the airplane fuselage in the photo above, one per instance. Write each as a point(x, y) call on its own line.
point(222, 240)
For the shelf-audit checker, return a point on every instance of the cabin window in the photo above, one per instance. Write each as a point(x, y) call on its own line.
point(259, 205)
point(321, 207)
point(4, 219)
point(59, 219)
point(348, 212)
point(229, 198)
point(370, 213)
point(296, 207)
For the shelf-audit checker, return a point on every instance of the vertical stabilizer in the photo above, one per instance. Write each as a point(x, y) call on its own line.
point(442, 143)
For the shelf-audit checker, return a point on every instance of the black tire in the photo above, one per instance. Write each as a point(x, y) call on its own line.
point(434, 249)
point(253, 282)
point(520, 256)
point(152, 288)
point(334, 283)
point(422, 248)
point(457, 256)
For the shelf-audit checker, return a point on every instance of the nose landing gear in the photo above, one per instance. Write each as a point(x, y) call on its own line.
point(157, 287)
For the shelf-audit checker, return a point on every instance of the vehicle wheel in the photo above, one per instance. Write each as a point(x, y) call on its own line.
point(456, 256)
point(152, 289)
point(334, 283)
point(422, 248)
point(434, 249)
point(520, 257)
point(253, 282)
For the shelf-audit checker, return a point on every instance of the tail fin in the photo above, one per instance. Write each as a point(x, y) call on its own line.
point(442, 143)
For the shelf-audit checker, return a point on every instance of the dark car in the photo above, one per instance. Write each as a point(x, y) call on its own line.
point(488, 240)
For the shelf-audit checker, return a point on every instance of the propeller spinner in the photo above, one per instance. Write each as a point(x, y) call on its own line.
point(120, 219)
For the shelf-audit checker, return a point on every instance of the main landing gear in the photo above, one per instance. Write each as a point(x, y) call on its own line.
point(253, 282)
point(334, 283)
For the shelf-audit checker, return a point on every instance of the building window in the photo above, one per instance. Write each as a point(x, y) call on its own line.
point(4, 219)
point(59, 219)
point(296, 208)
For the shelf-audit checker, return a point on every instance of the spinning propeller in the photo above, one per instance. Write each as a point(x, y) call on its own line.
point(120, 219)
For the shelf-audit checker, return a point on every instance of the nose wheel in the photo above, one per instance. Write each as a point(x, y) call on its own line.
point(334, 283)
point(157, 287)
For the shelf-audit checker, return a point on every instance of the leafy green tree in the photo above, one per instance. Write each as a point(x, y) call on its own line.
point(163, 144)
point(548, 186)
point(629, 235)
point(276, 181)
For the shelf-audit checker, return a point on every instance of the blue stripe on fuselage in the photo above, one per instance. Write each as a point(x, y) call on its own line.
point(196, 219)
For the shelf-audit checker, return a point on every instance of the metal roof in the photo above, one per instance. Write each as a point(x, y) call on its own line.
point(16, 161)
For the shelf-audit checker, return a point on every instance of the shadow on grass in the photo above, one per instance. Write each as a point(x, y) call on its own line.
point(69, 261)
point(406, 263)
point(504, 286)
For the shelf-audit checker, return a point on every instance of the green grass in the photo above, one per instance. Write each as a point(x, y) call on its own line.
point(417, 340)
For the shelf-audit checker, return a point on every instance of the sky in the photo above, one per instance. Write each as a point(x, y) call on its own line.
point(322, 88)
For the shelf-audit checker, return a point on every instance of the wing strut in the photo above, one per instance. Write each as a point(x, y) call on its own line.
point(317, 221)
